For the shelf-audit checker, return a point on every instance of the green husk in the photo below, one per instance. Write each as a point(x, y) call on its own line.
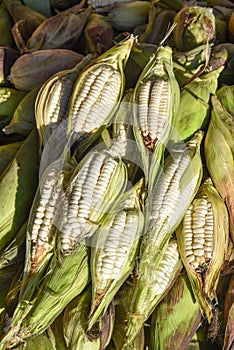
point(123, 300)
point(23, 120)
point(126, 16)
point(43, 6)
point(7, 153)
point(75, 322)
point(65, 278)
point(140, 55)
point(196, 95)
point(175, 5)
point(55, 333)
point(16, 191)
point(5, 27)
point(9, 100)
point(11, 268)
point(40, 341)
point(123, 142)
point(195, 26)
point(176, 319)
point(219, 148)
point(191, 64)
point(225, 95)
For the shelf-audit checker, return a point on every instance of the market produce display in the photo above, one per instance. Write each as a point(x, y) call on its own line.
point(116, 175)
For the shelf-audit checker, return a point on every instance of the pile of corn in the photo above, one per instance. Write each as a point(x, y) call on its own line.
point(116, 175)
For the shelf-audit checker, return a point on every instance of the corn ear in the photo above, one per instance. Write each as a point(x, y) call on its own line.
point(202, 239)
point(32, 69)
point(176, 318)
point(196, 95)
point(151, 286)
point(114, 249)
point(23, 120)
point(219, 148)
point(52, 101)
point(93, 189)
point(97, 92)
point(14, 187)
point(156, 100)
point(44, 216)
point(172, 193)
point(174, 188)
